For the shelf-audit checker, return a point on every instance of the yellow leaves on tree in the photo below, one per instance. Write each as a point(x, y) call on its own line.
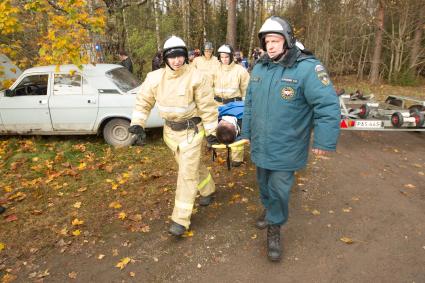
point(68, 32)
point(59, 31)
point(8, 18)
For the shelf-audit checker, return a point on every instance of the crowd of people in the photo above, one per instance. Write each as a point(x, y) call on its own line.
point(274, 109)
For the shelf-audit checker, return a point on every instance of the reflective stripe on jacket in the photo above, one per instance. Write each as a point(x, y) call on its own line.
point(230, 81)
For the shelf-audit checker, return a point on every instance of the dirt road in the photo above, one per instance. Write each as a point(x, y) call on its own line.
point(372, 191)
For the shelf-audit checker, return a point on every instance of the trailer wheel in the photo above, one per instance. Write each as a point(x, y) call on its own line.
point(364, 111)
point(419, 119)
point(397, 119)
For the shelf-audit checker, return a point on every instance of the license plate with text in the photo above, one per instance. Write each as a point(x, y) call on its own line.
point(370, 124)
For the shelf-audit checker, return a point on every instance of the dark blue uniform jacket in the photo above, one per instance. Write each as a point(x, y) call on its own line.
point(285, 100)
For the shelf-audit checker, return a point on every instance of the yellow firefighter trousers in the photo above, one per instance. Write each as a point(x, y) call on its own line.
point(193, 176)
point(237, 152)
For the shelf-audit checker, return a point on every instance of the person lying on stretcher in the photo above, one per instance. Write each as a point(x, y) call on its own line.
point(228, 131)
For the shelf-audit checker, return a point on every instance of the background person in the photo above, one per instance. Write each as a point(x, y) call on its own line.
point(185, 100)
point(289, 94)
point(207, 63)
point(125, 60)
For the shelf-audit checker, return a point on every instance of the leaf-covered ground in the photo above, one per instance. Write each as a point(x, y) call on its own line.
point(80, 210)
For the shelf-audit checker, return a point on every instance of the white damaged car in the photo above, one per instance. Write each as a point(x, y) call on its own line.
point(97, 99)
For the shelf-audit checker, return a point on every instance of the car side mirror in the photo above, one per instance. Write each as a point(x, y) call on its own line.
point(8, 93)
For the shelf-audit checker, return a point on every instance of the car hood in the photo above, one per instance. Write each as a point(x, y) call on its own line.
point(134, 90)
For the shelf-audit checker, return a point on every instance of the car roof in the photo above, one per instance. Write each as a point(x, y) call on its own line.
point(87, 69)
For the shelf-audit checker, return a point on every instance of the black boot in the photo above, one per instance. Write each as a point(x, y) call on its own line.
point(177, 229)
point(207, 200)
point(261, 222)
point(274, 250)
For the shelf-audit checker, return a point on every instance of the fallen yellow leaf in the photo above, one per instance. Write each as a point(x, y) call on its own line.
point(82, 166)
point(76, 232)
point(347, 240)
point(77, 204)
point(315, 212)
point(115, 205)
point(2, 246)
point(64, 231)
point(409, 186)
point(132, 274)
point(122, 215)
point(77, 222)
point(123, 263)
point(188, 234)
point(230, 185)
point(100, 256)
point(8, 278)
point(72, 275)
point(109, 181)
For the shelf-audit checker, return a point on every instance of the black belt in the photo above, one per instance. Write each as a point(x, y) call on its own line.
point(228, 100)
point(184, 125)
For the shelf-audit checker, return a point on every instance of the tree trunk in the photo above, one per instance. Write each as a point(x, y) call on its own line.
point(416, 44)
point(376, 59)
point(254, 27)
point(231, 23)
point(158, 37)
point(185, 11)
point(204, 19)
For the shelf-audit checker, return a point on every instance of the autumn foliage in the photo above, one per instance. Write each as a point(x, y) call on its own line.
point(44, 32)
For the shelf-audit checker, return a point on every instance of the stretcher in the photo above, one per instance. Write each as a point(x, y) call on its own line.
point(228, 147)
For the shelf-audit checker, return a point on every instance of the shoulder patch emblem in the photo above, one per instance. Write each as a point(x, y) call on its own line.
point(319, 68)
point(287, 93)
point(322, 74)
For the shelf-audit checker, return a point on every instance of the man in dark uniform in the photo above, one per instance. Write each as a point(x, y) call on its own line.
point(289, 95)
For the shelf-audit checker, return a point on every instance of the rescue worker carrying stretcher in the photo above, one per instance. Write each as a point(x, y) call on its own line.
point(230, 84)
point(184, 99)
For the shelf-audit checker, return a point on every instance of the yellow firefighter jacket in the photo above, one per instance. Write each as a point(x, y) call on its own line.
point(207, 66)
point(179, 95)
point(230, 81)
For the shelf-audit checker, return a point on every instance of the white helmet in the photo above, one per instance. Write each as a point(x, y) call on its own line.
point(174, 46)
point(279, 26)
point(226, 48)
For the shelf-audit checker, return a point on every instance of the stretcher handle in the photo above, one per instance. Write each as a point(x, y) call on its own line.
point(235, 144)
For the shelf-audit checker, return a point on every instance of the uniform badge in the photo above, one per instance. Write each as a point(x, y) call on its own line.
point(287, 93)
point(322, 74)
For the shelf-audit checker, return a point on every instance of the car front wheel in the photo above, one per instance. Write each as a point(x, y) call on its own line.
point(116, 133)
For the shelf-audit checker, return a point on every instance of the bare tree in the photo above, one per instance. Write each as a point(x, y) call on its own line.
point(376, 59)
point(231, 22)
point(158, 37)
point(417, 39)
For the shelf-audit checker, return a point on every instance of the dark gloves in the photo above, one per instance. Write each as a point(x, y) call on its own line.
point(139, 132)
point(211, 140)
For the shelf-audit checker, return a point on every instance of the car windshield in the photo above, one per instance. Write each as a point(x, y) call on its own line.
point(123, 79)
